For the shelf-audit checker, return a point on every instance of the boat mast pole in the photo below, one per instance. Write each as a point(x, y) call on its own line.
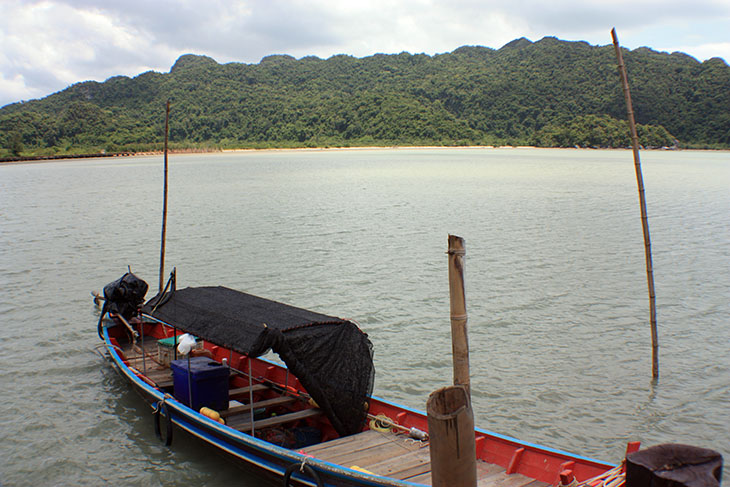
point(164, 203)
point(642, 203)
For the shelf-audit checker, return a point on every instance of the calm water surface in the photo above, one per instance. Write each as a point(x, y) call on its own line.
point(556, 291)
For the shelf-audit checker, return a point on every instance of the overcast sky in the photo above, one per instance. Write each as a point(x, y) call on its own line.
point(47, 45)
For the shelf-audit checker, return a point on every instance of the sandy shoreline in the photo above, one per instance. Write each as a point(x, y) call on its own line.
point(325, 149)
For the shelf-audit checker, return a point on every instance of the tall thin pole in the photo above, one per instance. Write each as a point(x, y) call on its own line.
point(452, 446)
point(642, 203)
point(164, 204)
point(459, 338)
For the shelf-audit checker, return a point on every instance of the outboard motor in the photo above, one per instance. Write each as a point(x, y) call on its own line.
point(123, 297)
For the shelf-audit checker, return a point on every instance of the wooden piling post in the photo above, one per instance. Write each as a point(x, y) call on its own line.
point(452, 443)
point(459, 338)
point(642, 204)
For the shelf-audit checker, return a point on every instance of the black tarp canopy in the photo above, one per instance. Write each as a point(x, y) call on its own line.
point(331, 357)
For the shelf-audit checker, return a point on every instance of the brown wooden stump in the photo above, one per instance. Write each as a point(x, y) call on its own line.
point(451, 433)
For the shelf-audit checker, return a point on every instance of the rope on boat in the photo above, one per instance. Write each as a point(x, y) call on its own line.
point(97, 348)
point(616, 477)
point(383, 423)
point(106, 345)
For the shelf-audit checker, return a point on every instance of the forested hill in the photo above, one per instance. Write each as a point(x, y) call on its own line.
point(545, 93)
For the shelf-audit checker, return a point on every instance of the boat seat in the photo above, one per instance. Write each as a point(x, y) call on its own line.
point(243, 392)
point(278, 420)
point(245, 408)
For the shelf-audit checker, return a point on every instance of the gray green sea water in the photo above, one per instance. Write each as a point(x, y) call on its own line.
point(555, 282)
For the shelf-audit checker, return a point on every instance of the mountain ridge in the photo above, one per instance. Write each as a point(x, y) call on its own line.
point(545, 93)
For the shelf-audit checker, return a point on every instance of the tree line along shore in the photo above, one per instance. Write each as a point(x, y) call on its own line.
point(549, 93)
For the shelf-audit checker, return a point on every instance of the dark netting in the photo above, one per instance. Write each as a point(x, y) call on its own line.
point(334, 362)
point(332, 357)
point(228, 317)
point(673, 465)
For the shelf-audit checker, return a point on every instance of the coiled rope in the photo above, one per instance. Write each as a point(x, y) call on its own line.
point(616, 477)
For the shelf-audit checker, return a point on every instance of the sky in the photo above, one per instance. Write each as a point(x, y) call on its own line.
point(47, 45)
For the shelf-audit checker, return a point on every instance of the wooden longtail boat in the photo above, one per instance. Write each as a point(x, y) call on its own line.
point(312, 422)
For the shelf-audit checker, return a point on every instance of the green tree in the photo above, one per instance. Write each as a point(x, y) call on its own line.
point(15, 143)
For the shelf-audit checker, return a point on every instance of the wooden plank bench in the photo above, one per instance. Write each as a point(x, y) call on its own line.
point(243, 392)
point(244, 408)
point(277, 420)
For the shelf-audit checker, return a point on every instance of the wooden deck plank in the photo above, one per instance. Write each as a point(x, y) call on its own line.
point(392, 456)
point(347, 444)
point(485, 469)
point(403, 466)
point(504, 480)
point(379, 452)
point(491, 475)
point(424, 478)
point(155, 372)
point(359, 447)
point(245, 408)
point(369, 456)
point(364, 455)
point(276, 420)
point(149, 368)
point(485, 479)
point(243, 392)
point(162, 379)
point(150, 363)
point(413, 471)
point(338, 441)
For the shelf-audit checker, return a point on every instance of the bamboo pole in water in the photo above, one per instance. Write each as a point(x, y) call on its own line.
point(642, 203)
point(452, 447)
point(164, 204)
point(459, 338)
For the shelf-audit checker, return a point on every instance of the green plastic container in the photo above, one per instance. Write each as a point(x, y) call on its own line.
point(166, 349)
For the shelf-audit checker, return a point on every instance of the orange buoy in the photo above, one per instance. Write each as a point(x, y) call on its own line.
point(210, 413)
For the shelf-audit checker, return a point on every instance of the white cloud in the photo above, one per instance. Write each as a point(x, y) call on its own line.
point(703, 52)
point(423, 26)
point(16, 89)
point(71, 45)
